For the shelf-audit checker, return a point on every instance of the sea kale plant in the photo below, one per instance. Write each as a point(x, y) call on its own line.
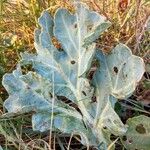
point(59, 74)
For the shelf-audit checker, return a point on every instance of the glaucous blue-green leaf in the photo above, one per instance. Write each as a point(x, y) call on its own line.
point(67, 68)
point(138, 133)
point(63, 73)
point(31, 92)
point(117, 77)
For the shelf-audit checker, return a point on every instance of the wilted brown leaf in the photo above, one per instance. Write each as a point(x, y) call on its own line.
point(145, 97)
point(122, 6)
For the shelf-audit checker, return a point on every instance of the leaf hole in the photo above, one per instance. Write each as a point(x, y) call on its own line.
point(140, 129)
point(69, 102)
point(50, 94)
point(115, 70)
point(83, 93)
point(89, 27)
point(73, 62)
point(94, 99)
point(130, 141)
point(104, 127)
point(27, 68)
point(94, 66)
point(124, 138)
point(56, 43)
point(28, 87)
point(75, 25)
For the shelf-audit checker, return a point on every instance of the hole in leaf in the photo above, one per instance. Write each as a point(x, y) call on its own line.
point(94, 99)
point(27, 68)
point(50, 94)
point(84, 93)
point(75, 26)
point(140, 129)
point(89, 27)
point(28, 87)
point(56, 43)
point(130, 141)
point(69, 102)
point(73, 62)
point(124, 138)
point(116, 70)
point(104, 127)
point(94, 66)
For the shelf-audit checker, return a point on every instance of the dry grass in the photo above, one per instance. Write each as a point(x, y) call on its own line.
point(18, 19)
